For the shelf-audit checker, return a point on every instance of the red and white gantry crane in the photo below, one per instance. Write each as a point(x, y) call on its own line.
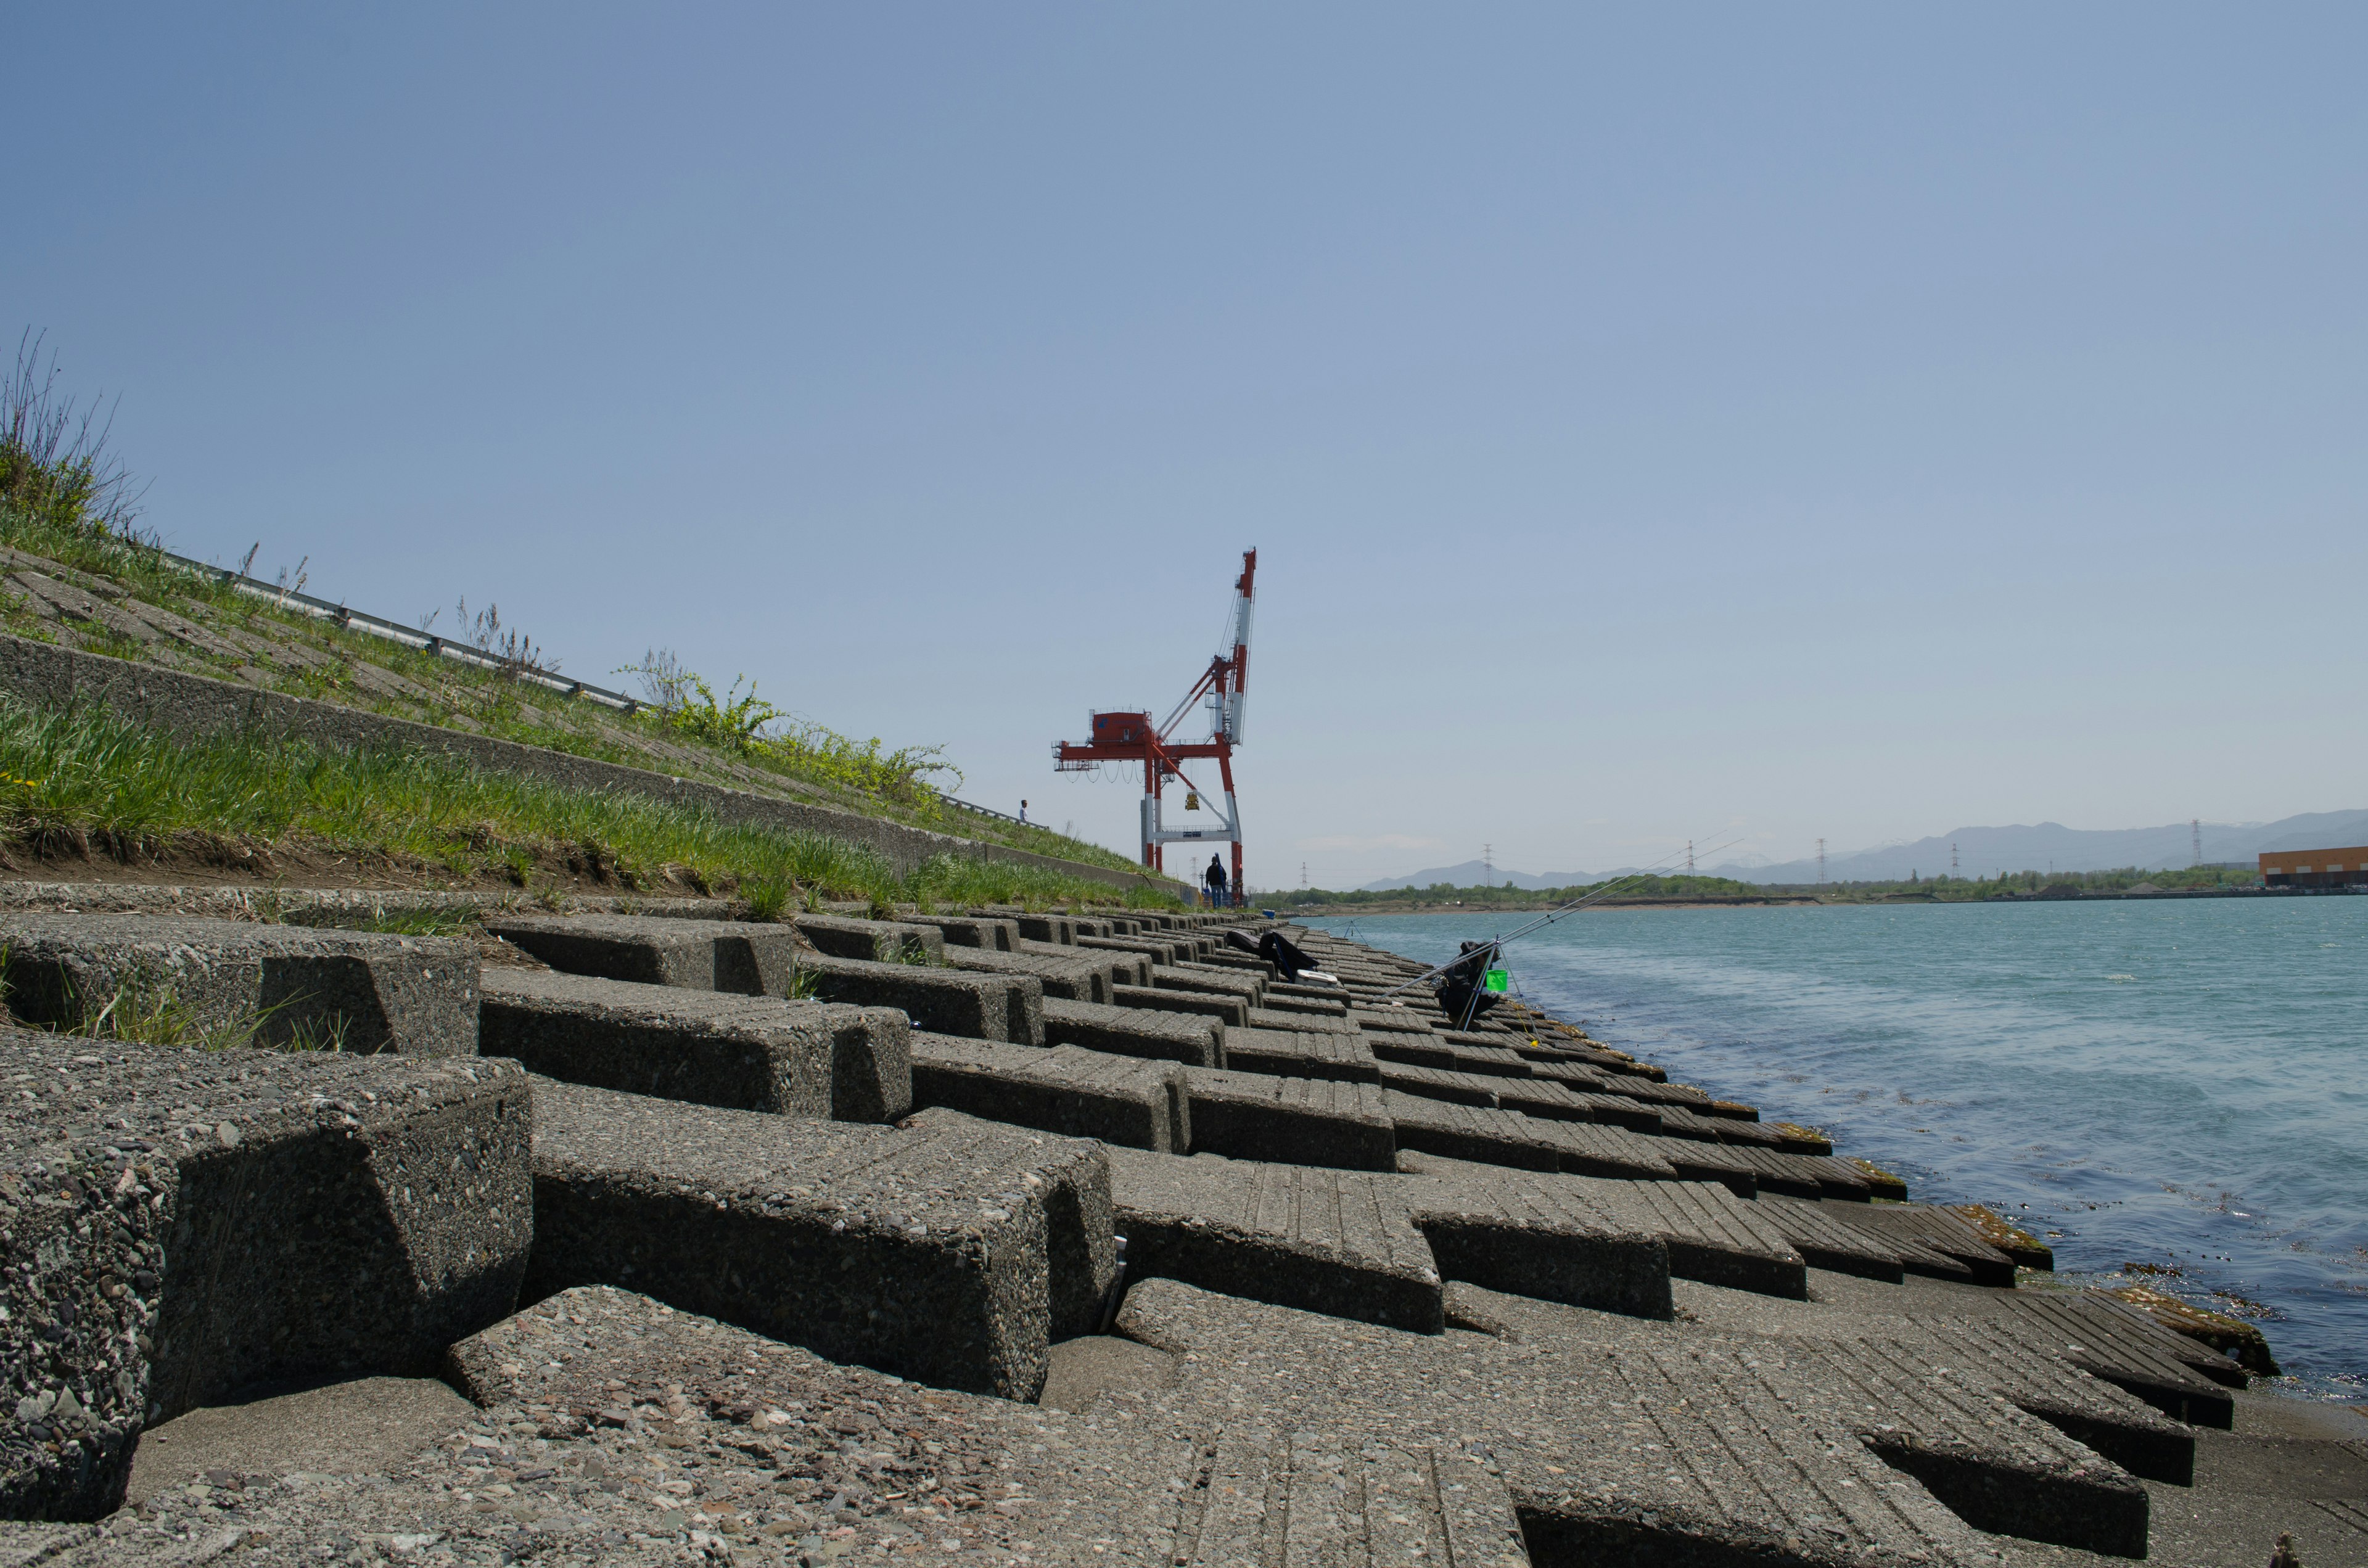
point(1130, 738)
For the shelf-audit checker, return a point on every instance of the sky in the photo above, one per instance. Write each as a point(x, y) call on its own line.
point(1735, 423)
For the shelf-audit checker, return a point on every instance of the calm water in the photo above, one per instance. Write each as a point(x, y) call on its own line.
point(2179, 1086)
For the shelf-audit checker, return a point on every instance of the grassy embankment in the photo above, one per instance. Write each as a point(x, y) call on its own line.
point(86, 783)
point(1441, 897)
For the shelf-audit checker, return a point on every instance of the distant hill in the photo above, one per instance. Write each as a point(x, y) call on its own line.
point(1988, 851)
point(1981, 852)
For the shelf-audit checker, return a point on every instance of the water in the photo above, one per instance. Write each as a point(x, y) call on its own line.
point(2169, 1093)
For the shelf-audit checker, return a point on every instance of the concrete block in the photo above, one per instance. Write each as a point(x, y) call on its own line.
point(877, 941)
point(1338, 1243)
point(927, 1250)
point(1305, 1121)
point(752, 959)
point(1934, 1418)
point(1292, 1054)
point(709, 1048)
point(243, 981)
point(1123, 969)
point(1136, 1031)
point(175, 1225)
point(968, 931)
point(1158, 952)
point(1313, 1007)
point(1074, 1092)
point(955, 1001)
point(1539, 1234)
point(1073, 979)
point(1509, 1138)
point(1710, 1234)
point(1179, 977)
point(1225, 1009)
point(1057, 929)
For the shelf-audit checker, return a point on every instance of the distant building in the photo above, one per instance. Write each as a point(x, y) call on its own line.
point(2315, 868)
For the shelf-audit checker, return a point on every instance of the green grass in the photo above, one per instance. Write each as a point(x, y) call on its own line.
point(91, 782)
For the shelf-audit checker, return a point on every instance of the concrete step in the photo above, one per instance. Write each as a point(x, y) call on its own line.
point(1709, 1234)
point(943, 1001)
point(1229, 1010)
point(1123, 969)
point(1071, 979)
point(1157, 952)
point(697, 955)
point(1998, 1467)
point(951, 1250)
point(1799, 1175)
point(1930, 1241)
point(880, 941)
point(1829, 1243)
point(1353, 1245)
point(1510, 1138)
point(1303, 1498)
point(1074, 1092)
point(2114, 1341)
point(179, 1223)
point(1180, 977)
point(1296, 1054)
point(711, 1048)
point(1193, 1038)
point(982, 932)
point(1305, 1121)
point(1338, 1243)
point(1611, 1456)
point(1309, 1007)
point(230, 981)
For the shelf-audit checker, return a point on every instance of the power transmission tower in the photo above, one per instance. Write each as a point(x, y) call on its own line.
point(2195, 827)
point(1821, 862)
point(1953, 857)
point(1689, 857)
point(1303, 873)
point(1487, 864)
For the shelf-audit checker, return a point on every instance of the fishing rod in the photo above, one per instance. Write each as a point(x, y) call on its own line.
point(1596, 896)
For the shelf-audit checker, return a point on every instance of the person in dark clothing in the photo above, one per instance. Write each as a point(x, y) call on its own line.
point(1462, 986)
point(1214, 879)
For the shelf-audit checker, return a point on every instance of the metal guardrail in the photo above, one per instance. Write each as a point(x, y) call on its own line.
point(409, 637)
point(988, 811)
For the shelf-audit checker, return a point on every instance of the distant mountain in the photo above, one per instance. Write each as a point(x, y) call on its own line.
point(1988, 851)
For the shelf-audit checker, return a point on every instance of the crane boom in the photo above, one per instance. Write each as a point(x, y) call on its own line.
point(1130, 737)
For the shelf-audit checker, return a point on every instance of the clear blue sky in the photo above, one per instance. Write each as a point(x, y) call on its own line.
point(1790, 421)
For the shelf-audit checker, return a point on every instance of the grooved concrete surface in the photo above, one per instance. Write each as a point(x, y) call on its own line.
point(1136, 1031)
point(1079, 1094)
point(1306, 1121)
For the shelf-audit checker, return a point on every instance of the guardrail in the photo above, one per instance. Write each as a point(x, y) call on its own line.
point(410, 637)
